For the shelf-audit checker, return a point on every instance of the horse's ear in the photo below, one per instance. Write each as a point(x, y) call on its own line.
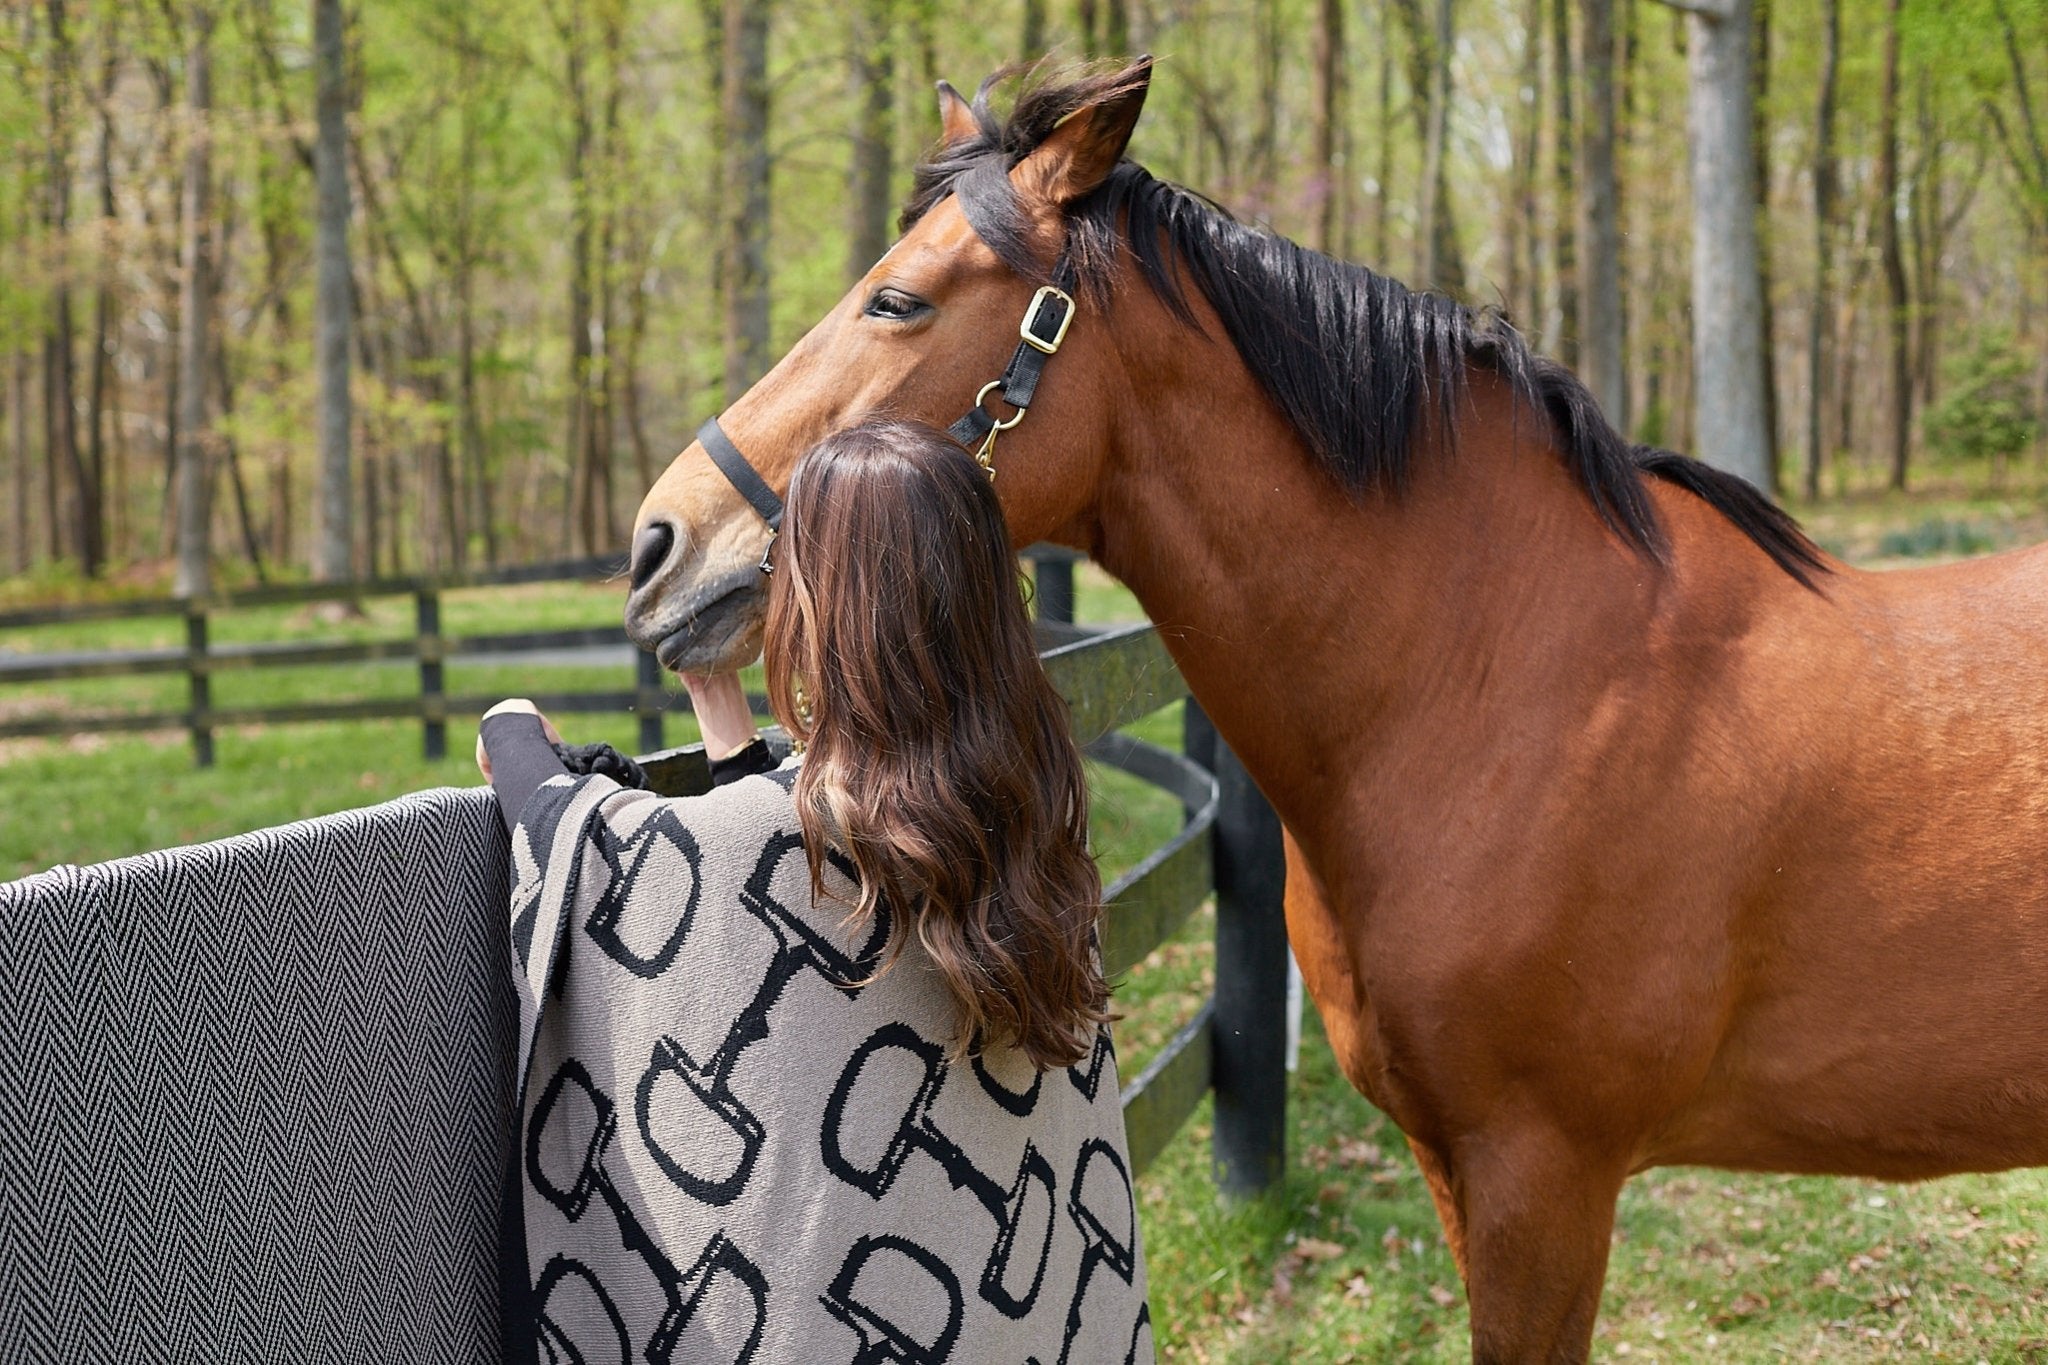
point(1085, 146)
point(956, 120)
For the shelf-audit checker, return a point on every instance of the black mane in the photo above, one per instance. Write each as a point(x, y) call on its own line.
point(1352, 358)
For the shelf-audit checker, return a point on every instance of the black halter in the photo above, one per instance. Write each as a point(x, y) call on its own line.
point(1046, 319)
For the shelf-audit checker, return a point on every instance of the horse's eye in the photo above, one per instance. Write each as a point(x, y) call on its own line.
point(895, 305)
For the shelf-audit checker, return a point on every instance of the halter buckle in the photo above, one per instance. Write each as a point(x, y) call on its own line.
point(1025, 329)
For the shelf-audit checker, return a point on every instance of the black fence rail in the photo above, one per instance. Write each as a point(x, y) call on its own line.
point(201, 660)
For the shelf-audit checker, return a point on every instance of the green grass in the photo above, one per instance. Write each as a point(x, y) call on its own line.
point(1344, 1261)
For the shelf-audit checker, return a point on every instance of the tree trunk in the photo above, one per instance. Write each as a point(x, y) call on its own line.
point(874, 82)
point(333, 534)
point(1268, 44)
point(1032, 42)
point(1562, 333)
point(1818, 331)
point(575, 496)
point(601, 531)
point(18, 412)
point(195, 311)
point(1438, 240)
point(99, 380)
point(1760, 144)
point(1116, 28)
point(1332, 207)
point(1084, 19)
point(1900, 399)
point(226, 384)
point(1383, 175)
point(746, 194)
point(1599, 225)
point(1524, 289)
point(1929, 243)
point(1730, 411)
point(82, 497)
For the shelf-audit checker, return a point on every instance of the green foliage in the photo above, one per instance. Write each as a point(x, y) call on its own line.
point(1936, 536)
point(1989, 410)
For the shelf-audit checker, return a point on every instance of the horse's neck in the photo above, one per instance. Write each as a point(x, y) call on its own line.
point(1315, 627)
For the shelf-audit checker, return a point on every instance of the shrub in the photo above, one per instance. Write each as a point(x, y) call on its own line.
point(1989, 411)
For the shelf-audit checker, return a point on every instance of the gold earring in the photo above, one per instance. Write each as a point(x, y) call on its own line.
point(802, 700)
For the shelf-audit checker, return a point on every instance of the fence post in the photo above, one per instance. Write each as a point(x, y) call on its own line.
point(1053, 583)
point(647, 672)
point(200, 672)
point(433, 703)
point(1250, 1023)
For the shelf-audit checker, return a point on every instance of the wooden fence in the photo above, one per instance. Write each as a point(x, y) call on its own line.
point(1229, 846)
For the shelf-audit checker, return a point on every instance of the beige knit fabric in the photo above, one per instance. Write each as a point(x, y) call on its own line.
point(735, 1151)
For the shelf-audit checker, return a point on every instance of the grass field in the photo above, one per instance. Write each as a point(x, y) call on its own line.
point(1344, 1261)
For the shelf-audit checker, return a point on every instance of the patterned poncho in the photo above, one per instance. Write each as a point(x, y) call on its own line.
point(738, 1144)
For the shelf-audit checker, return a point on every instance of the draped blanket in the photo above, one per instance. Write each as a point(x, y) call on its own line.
point(740, 1145)
point(255, 1096)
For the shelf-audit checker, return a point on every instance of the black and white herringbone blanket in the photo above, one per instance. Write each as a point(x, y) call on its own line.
point(255, 1096)
point(739, 1145)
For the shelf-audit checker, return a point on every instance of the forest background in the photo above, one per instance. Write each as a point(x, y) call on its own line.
point(552, 236)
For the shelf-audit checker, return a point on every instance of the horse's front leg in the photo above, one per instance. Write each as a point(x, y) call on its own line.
point(1537, 1217)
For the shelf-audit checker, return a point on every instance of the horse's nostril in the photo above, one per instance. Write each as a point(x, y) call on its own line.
point(650, 552)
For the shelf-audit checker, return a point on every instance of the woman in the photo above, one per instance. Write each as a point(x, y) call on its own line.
point(816, 1068)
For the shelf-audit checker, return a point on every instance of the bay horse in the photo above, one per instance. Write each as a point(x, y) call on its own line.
point(1625, 827)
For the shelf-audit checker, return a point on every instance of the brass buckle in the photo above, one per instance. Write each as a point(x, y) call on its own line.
point(1032, 339)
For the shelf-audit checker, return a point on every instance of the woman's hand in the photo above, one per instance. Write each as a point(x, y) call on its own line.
point(723, 716)
point(506, 707)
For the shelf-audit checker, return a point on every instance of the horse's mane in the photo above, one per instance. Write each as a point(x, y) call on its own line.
point(1350, 357)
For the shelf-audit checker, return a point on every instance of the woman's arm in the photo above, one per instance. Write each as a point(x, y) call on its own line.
point(515, 752)
point(732, 745)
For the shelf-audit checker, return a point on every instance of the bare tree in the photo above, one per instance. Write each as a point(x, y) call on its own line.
point(1436, 240)
point(1601, 358)
point(1818, 332)
point(1524, 285)
point(874, 79)
point(1429, 73)
point(81, 497)
point(1731, 416)
point(18, 401)
point(333, 534)
point(745, 119)
point(1760, 145)
point(1892, 260)
point(1333, 218)
point(1032, 42)
point(1268, 44)
point(195, 313)
point(99, 380)
point(1562, 332)
point(1116, 28)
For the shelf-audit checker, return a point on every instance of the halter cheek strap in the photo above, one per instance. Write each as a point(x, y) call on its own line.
point(739, 473)
point(1039, 335)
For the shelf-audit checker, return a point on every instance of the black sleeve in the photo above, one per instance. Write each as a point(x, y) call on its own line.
point(521, 759)
point(750, 758)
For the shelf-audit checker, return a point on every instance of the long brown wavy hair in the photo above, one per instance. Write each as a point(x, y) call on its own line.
point(938, 755)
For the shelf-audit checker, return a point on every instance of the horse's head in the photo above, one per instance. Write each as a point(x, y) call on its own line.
point(921, 333)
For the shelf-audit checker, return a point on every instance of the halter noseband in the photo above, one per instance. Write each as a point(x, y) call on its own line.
point(1046, 319)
